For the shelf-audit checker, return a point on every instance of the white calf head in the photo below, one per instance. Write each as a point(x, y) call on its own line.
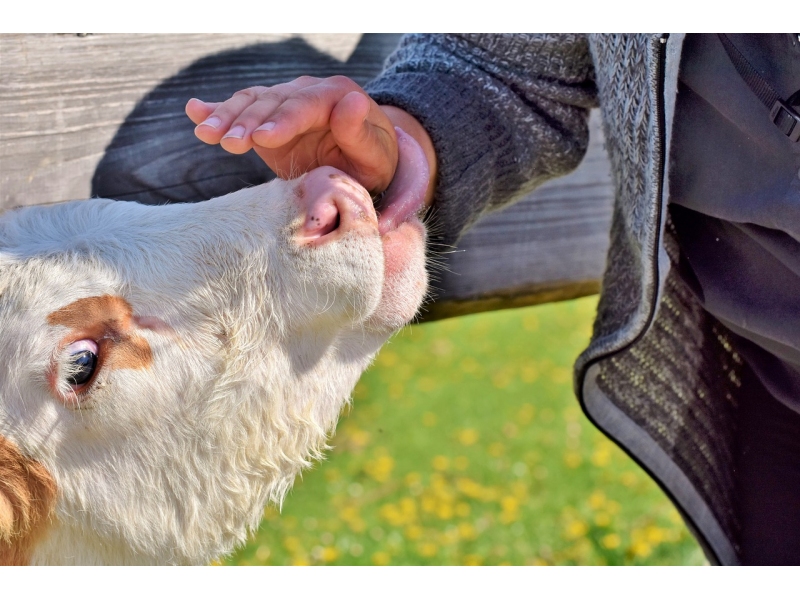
point(169, 370)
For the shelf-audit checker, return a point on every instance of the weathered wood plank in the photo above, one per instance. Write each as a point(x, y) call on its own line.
point(103, 115)
point(64, 97)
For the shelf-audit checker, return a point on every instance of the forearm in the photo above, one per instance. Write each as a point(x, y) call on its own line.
point(504, 114)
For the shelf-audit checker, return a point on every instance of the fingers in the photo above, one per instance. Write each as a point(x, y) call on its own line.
point(198, 111)
point(232, 122)
point(302, 124)
point(220, 122)
point(275, 114)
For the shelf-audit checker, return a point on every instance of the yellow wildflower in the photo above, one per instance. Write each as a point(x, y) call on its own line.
point(388, 358)
point(380, 468)
point(429, 419)
point(572, 459)
point(329, 554)
point(560, 375)
point(472, 560)
point(576, 529)
point(641, 549)
point(654, 535)
point(451, 536)
point(381, 558)
point(396, 390)
point(262, 553)
point(467, 531)
point(442, 347)
point(510, 430)
point(390, 513)
point(601, 456)
point(440, 463)
point(291, 543)
point(468, 436)
point(509, 503)
point(610, 541)
point(427, 384)
point(497, 449)
point(529, 374)
point(502, 379)
point(444, 511)
point(519, 489)
point(597, 499)
point(427, 549)
point(408, 507)
point(358, 438)
point(602, 519)
point(526, 412)
point(413, 478)
point(470, 365)
point(507, 517)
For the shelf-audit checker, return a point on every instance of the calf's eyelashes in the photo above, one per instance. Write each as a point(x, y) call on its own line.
point(101, 336)
point(106, 318)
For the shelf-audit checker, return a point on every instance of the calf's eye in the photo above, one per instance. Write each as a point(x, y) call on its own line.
point(82, 362)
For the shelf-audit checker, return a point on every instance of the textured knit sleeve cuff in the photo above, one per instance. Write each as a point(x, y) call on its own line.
point(464, 136)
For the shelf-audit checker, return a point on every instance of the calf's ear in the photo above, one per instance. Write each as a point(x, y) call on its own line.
point(6, 519)
point(27, 498)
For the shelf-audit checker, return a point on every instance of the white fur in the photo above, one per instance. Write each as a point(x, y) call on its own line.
point(175, 463)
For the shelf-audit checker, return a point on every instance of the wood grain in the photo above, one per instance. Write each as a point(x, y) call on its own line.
point(103, 115)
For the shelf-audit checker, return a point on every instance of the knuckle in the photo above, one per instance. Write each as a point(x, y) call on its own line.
point(271, 96)
point(251, 93)
point(305, 98)
point(342, 81)
point(306, 80)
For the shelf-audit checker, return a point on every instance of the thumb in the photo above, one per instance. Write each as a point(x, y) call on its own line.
point(366, 138)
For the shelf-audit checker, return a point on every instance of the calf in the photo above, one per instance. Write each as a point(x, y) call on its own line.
point(167, 371)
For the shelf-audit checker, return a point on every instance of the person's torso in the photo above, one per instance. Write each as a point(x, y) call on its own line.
point(735, 196)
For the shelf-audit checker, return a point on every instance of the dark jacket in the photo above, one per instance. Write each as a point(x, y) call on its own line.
point(508, 112)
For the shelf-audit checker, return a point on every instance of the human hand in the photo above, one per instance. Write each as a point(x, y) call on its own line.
point(306, 123)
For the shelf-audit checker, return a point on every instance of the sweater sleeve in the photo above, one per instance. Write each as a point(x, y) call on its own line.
point(505, 114)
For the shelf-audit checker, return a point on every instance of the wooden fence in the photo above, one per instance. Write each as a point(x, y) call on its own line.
point(86, 115)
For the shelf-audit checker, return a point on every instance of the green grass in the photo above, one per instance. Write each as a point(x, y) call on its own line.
point(466, 445)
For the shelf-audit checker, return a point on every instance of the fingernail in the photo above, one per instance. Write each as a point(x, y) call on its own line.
point(200, 101)
point(235, 132)
point(212, 122)
point(266, 126)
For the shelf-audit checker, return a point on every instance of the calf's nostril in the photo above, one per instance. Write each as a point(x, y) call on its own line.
point(322, 219)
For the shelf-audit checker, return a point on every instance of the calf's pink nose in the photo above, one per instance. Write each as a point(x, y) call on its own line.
point(322, 218)
point(331, 201)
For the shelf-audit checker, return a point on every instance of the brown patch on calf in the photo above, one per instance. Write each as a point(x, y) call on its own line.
point(27, 499)
point(107, 320)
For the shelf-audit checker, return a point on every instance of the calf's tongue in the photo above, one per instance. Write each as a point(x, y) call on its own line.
point(405, 196)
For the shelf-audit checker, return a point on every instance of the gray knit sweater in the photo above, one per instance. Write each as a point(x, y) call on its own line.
point(508, 112)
